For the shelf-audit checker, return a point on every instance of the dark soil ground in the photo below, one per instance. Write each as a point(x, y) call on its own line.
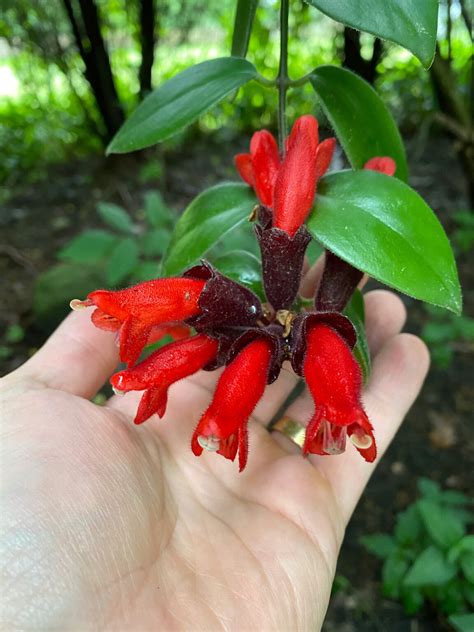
point(436, 438)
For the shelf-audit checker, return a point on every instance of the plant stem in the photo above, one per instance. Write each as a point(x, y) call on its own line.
point(282, 78)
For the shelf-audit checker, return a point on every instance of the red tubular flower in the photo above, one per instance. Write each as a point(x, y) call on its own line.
point(223, 427)
point(334, 379)
point(162, 368)
point(260, 167)
point(135, 311)
point(305, 162)
point(383, 164)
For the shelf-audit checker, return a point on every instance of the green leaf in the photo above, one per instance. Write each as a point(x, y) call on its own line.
point(207, 219)
point(442, 524)
point(244, 16)
point(394, 569)
point(123, 260)
point(383, 227)
point(408, 527)
point(462, 622)
point(89, 247)
point(467, 565)
point(410, 23)
point(380, 544)
point(412, 599)
point(115, 216)
point(356, 313)
point(180, 101)
point(428, 488)
point(455, 497)
point(361, 120)
point(156, 211)
point(155, 242)
point(430, 569)
point(465, 545)
point(243, 267)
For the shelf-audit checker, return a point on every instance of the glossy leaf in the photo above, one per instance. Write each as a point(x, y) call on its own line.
point(123, 260)
point(115, 216)
point(383, 227)
point(244, 16)
point(410, 23)
point(356, 313)
point(430, 569)
point(362, 122)
point(91, 246)
point(180, 101)
point(207, 219)
point(243, 267)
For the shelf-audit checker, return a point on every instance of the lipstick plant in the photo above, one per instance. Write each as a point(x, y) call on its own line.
point(246, 315)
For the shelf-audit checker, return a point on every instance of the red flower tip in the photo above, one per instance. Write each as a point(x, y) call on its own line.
point(223, 427)
point(334, 379)
point(383, 164)
point(305, 162)
point(162, 368)
point(259, 168)
point(136, 311)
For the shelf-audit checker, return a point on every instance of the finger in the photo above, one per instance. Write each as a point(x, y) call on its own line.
point(77, 357)
point(385, 316)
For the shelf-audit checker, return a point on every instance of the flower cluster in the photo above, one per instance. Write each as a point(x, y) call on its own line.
point(217, 322)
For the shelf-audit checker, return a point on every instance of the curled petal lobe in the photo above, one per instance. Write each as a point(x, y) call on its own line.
point(223, 426)
point(334, 379)
point(383, 164)
point(243, 163)
point(266, 162)
point(324, 154)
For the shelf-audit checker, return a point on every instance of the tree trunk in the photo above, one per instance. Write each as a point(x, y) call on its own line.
point(456, 116)
point(353, 59)
point(147, 42)
point(98, 71)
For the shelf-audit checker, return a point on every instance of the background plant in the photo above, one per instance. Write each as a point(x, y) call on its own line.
point(429, 558)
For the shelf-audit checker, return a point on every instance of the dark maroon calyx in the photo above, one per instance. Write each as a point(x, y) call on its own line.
point(282, 263)
point(223, 302)
point(341, 324)
point(274, 334)
point(338, 282)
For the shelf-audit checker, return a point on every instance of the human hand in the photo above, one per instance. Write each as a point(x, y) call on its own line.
point(111, 526)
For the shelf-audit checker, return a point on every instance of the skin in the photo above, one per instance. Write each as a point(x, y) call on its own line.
point(109, 526)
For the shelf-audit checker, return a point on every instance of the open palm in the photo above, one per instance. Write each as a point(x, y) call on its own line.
point(111, 526)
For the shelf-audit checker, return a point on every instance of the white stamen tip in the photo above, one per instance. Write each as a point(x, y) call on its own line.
point(361, 440)
point(117, 392)
point(76, 304)
point(211, 443)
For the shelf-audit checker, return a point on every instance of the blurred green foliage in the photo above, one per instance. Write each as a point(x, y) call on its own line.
point(430, 556)
point(49, 115)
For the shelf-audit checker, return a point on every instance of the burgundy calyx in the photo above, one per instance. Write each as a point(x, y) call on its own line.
point(340, 323)
point(338, 282)
point(274, 334)
point(282, 263)
point(223, 302)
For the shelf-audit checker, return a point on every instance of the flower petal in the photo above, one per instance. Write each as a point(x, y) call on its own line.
point(383, 164)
